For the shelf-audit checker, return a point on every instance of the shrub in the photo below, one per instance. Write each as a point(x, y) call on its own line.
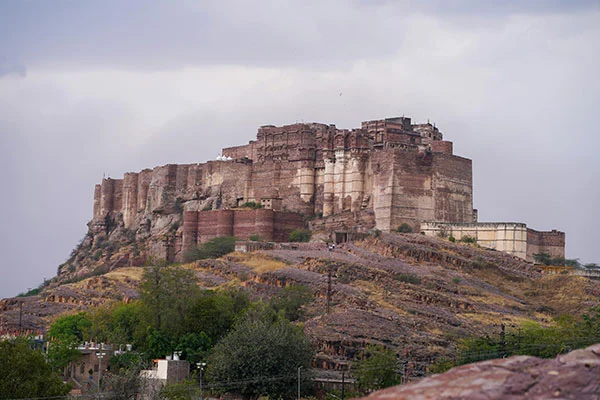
point(468, 239)
point(97, 255)
point(255, 238)
point(452, 239)
point(377, 370)
point(409, 278)
point(374, 232)
point(300, 235)
point(404, 228)
point(214, 248)
point(456, 280)
point(208, 207)
point(251, 204)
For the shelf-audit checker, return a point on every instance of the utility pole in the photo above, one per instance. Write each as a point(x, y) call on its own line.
point(100, 356)
point(300, 367)
point(329, 273)
point(201, 366)
point(21, 315)
point(343, 381)
point(503, 340)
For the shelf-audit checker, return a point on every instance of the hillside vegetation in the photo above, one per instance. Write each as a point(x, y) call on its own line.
point(415, 295)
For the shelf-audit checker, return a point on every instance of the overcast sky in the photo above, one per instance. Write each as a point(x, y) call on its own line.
point(104, 87)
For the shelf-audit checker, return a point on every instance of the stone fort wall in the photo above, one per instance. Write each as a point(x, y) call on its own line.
point(383, 174)
point(552, 242)
point(269, 225)
point(510, 237)
point(399, 171)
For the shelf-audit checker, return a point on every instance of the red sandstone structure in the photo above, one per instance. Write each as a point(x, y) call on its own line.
point(383, 174)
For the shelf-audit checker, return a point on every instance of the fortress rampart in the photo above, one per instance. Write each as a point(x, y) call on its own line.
point(403, 172)
point(383, 174)
point(552, 243)
point(268, 225)
point(510, 237)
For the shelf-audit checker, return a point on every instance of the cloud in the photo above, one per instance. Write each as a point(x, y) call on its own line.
point(111, 90)
point(15, 69)
point(162, 35)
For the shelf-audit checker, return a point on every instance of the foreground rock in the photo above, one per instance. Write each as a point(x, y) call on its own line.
point(575, 375)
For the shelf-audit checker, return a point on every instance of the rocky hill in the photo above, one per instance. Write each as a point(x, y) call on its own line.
point(569, 376)
point(413, 293)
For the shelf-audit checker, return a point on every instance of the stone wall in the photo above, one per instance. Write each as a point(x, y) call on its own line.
point(269, 225)
point(552, 243)
point(510, 237)
point(389, 170)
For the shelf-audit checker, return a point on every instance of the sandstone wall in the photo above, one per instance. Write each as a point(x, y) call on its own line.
point(509, 237)
point(269, 225)
point(442, 146)
point(402, 188)
point(452, 184)
point(552, 243)
point(389, 169)
point(165, 188)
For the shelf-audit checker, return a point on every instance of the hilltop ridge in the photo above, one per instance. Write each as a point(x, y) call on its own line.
point(415, 294)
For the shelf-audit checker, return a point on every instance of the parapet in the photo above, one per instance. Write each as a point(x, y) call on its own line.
point(442, 146)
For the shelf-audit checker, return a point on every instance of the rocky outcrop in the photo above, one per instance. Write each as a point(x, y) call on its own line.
point(570, 376)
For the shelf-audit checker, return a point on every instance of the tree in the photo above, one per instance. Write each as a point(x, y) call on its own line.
point(214, 248)
point(260, 356)
point(71, 327)
point(291, 299)
point(123, 376)
point(66, 334)
point(300, 235)
point(214, 313)
point(25, 374)
point(116, 323)
point(404, 228)
point(377, 370)
point(542, 258)
point(165, 293)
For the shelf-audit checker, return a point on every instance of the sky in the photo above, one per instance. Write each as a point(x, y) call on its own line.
point(99, 88)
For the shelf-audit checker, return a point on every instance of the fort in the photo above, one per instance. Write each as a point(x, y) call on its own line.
point(383, 174)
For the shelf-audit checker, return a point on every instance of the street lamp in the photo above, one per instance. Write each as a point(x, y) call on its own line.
point(100, 356)
point(200, 366)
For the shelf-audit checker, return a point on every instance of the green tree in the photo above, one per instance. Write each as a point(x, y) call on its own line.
point(214, 248)
point(291, 299)
point(377, 370)
point(542, 258)
point(25, 374)
point(180, 391)
point(165, 294)
point(404, 228)
point(71, 327)
point(123, 376)
point(115, 323)
point(214, 313)
point(300, 235)
point(530, 338)
point(66, 333)
point(260, 356)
